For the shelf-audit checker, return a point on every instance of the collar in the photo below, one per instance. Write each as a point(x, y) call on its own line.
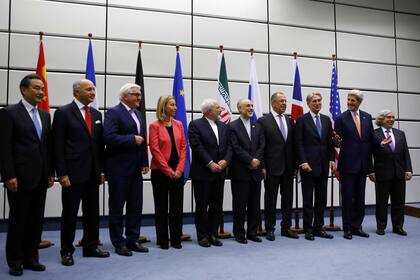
point(28, 106)
point(79, 104)
point(210, 121)
point(245, 120)
point(385, 129)
point(126, 107)
point(313, 115)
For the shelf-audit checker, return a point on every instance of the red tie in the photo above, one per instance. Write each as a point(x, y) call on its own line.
point(88, 119)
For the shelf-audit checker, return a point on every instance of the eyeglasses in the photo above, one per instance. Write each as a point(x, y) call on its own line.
point(134, 94)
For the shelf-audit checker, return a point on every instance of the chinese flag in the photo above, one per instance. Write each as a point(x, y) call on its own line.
point(41, 70)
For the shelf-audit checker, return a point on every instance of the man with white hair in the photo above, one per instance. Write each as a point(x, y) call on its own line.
point(211, 154)
point(126, 162)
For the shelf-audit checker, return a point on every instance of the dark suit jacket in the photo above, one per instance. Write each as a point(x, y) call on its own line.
point(389, 164)
point(355, 152)
point(77, 153)
point(204, 148)
point(279, 155)
point(310, 148)
point(24, 156)
point(123, 157)
point(245, 149)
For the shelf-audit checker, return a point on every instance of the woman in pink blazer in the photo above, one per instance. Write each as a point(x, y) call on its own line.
point(168, 147)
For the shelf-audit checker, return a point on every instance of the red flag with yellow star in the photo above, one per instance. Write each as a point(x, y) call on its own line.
point(41, 70)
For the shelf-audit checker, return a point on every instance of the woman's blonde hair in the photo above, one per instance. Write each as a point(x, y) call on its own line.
point(161, 107)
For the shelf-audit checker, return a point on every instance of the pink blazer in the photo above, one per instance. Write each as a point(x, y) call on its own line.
point(160, 146)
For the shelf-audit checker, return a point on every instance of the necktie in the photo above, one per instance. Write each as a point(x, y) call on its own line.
point(88, 119)
point(392, 144)
point(282, 128)
point(36, 122)
point(136, 119)
point(357, 123)
point(318, 126)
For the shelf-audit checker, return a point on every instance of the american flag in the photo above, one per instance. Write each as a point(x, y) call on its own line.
point(335, 109)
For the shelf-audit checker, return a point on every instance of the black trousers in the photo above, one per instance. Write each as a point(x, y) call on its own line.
point(163, 188)
point(88, 192)
point(128, 191)
point(353, 200)
point(313, 212)
point(246, 205)
point(271, 185)
point(208, 206)
point(25, 224)
point(395, 189)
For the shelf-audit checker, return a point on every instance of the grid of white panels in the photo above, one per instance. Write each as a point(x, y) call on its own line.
point(377, 43)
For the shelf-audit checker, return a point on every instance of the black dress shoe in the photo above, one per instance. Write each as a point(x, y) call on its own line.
point(176, 245)
point(255, 238)
point(361, 233)
point(16, 270)
point(270, 236)
point(399, 231)
point(123, 251)
point(347, 235)
point(380, 232)
point(163, 246)
point(241, 239)
point(204, 242)
point(289, 234)
point(67, 259)
point(323, 234)
point(34, 265)
point(309, 236)
point(215, 241)
point(95, 253)
point(137, 247)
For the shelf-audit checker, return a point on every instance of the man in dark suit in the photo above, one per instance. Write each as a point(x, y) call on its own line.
point(79, 152)
point(354, 130)
point(315, 153)
point(126, 161)
point(27, 171)
point(392, 166)
point(280, 166)
point(211, 154)
point(247, 141)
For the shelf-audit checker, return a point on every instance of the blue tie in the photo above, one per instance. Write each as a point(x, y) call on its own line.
point(318, 126)
point(36, 123)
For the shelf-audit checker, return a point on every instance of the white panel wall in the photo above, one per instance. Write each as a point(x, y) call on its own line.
point(3, 87)
point(408, 52)
point(409, 106)
point(412, 133)
point(409, 6)
point(4, 42)
point(381, 4)
point(251, 9)
point(178, 6)
point(407, 26)
point(4, 15)
point(408, 78)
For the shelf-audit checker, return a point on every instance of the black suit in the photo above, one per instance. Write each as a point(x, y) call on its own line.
point(390, 167)
point(79, 156)
point(279, 162)
point(208, 186)
point(29, 159)
point(317, 151)
point(246, 183)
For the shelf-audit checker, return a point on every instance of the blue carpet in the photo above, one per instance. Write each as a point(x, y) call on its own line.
point(378, 257)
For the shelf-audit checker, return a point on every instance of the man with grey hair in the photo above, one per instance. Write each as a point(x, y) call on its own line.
point(315, 154)
point(126, 162)
point(79, 164)
point(211, 154)
point(392, 166)
point(355, 137)
point(247, 140)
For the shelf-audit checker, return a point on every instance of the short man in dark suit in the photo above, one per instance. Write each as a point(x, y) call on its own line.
point(315, 154)
point(392, 166)
point(27, 171)
point(355, 134)
point(126, 162)
point(280, 166)
point(211, 154)
point(79, 159)
point(247, 141)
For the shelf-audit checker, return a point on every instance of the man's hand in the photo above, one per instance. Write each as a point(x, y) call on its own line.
point(177, 174)
point(102, 179)
point(145, 170)
point(64, 181)
point(306, 167)
point(214, 167)
point(12, 184)
point(139, 139)
point(255, 163)
point(386, 141)
point(372, 177)
point(223, 164)
point(408, 176)
point(337, 139)
point(264, 172)
point(50, 181)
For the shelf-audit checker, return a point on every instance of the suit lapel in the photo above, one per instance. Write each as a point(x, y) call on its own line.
point(353, 124)
point(275, 125)
point(310, 120)
point(28, 119)
point(129, 117)
point(76, 112)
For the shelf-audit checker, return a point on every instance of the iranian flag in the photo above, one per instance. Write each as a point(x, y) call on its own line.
point(223, 90)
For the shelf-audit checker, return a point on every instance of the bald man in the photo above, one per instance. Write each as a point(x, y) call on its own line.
point(79, 153)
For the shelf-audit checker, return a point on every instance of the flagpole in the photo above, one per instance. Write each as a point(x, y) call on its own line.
point(331, 226)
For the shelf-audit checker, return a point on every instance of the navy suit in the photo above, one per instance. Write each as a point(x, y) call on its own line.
point(390, 167)
point(29, 159)
point(317, 151)
point(79, 156)
point(246, 183)
point(279, 162)
point(208, 186)
point(354, 164)
point(123, 165)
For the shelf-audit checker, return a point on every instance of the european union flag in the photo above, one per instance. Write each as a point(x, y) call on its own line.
point(181, 113)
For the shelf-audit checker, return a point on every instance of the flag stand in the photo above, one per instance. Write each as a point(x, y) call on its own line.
point(331, 226)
